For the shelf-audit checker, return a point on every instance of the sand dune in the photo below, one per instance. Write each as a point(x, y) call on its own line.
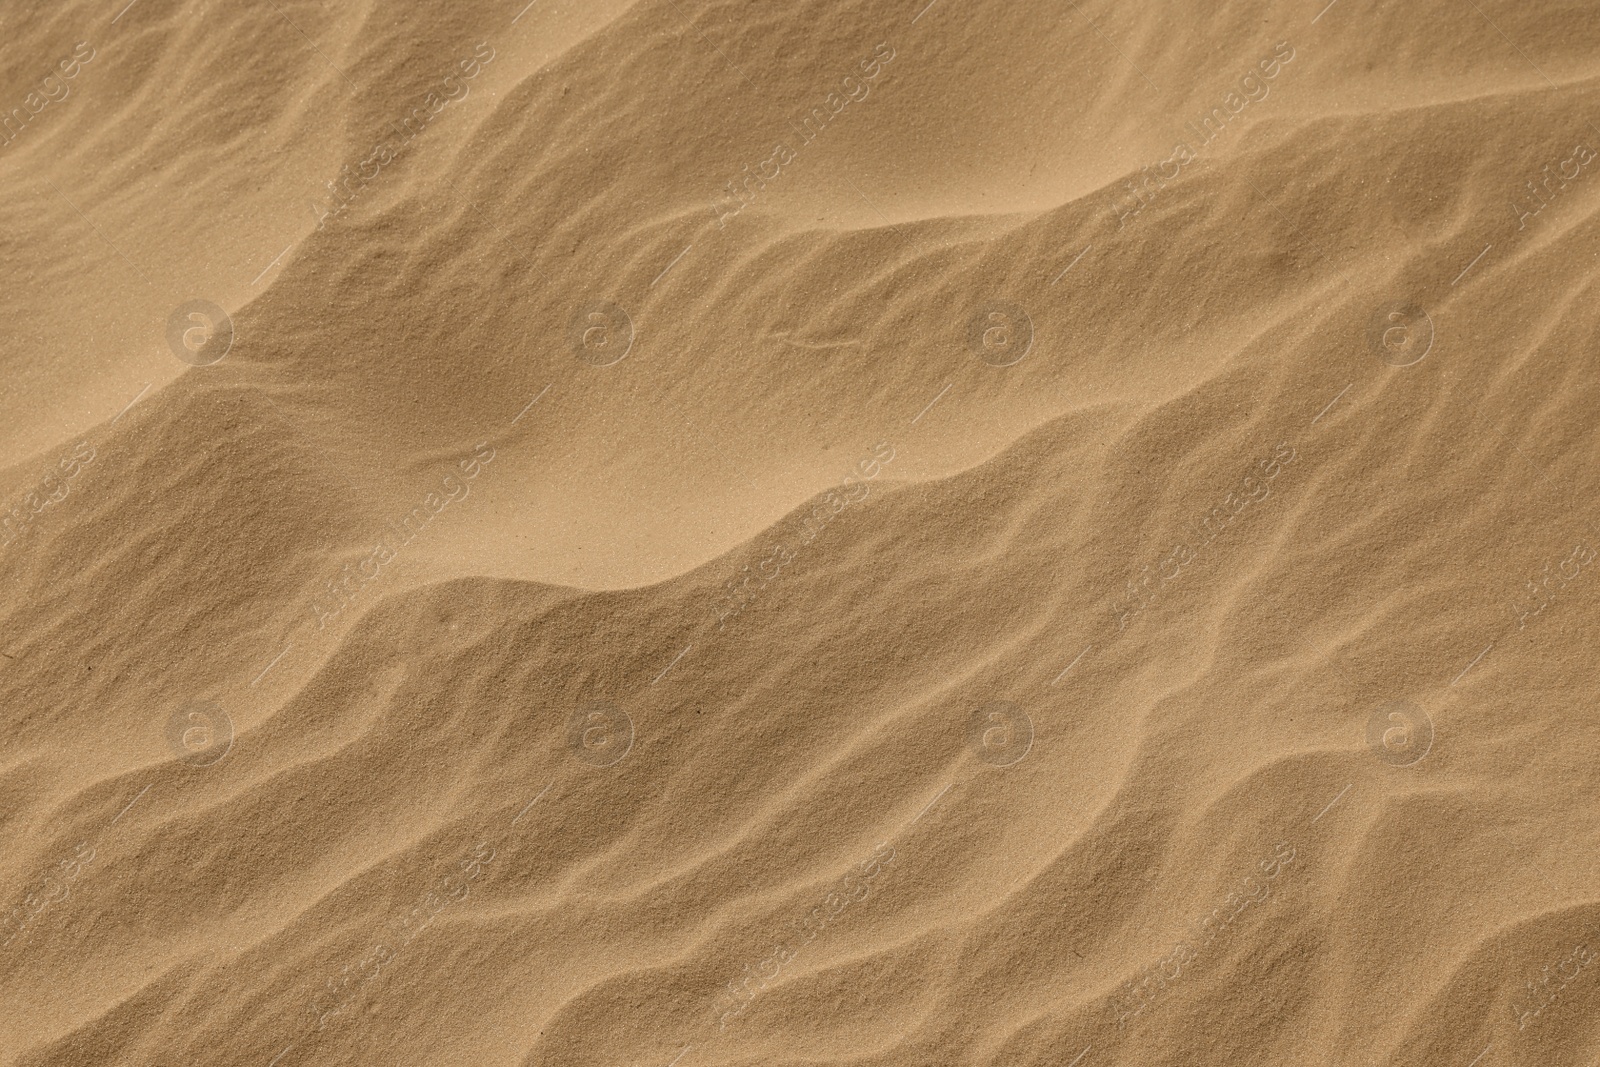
point(878, 533)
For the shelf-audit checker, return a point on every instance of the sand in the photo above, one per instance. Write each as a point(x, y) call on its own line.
point(881, 533)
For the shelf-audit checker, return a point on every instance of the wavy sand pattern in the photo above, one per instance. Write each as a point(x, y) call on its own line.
point(870, 532)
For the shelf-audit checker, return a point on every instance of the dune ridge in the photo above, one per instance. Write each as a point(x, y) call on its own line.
point(989, 588)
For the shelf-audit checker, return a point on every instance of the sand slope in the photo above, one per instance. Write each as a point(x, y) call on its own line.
point(1026, 579)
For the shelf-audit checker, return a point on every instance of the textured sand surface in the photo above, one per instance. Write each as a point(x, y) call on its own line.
point(861, 532)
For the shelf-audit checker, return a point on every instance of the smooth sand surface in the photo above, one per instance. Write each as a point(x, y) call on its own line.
point(872, 533)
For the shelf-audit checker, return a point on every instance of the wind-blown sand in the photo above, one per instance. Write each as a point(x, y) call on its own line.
point(877, 533)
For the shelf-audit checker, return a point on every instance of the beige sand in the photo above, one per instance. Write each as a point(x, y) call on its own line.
point(872, 533)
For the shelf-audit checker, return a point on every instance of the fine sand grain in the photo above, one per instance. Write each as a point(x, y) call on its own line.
point(870, 532)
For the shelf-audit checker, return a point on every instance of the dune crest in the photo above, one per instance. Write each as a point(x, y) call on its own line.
point(881, 533)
